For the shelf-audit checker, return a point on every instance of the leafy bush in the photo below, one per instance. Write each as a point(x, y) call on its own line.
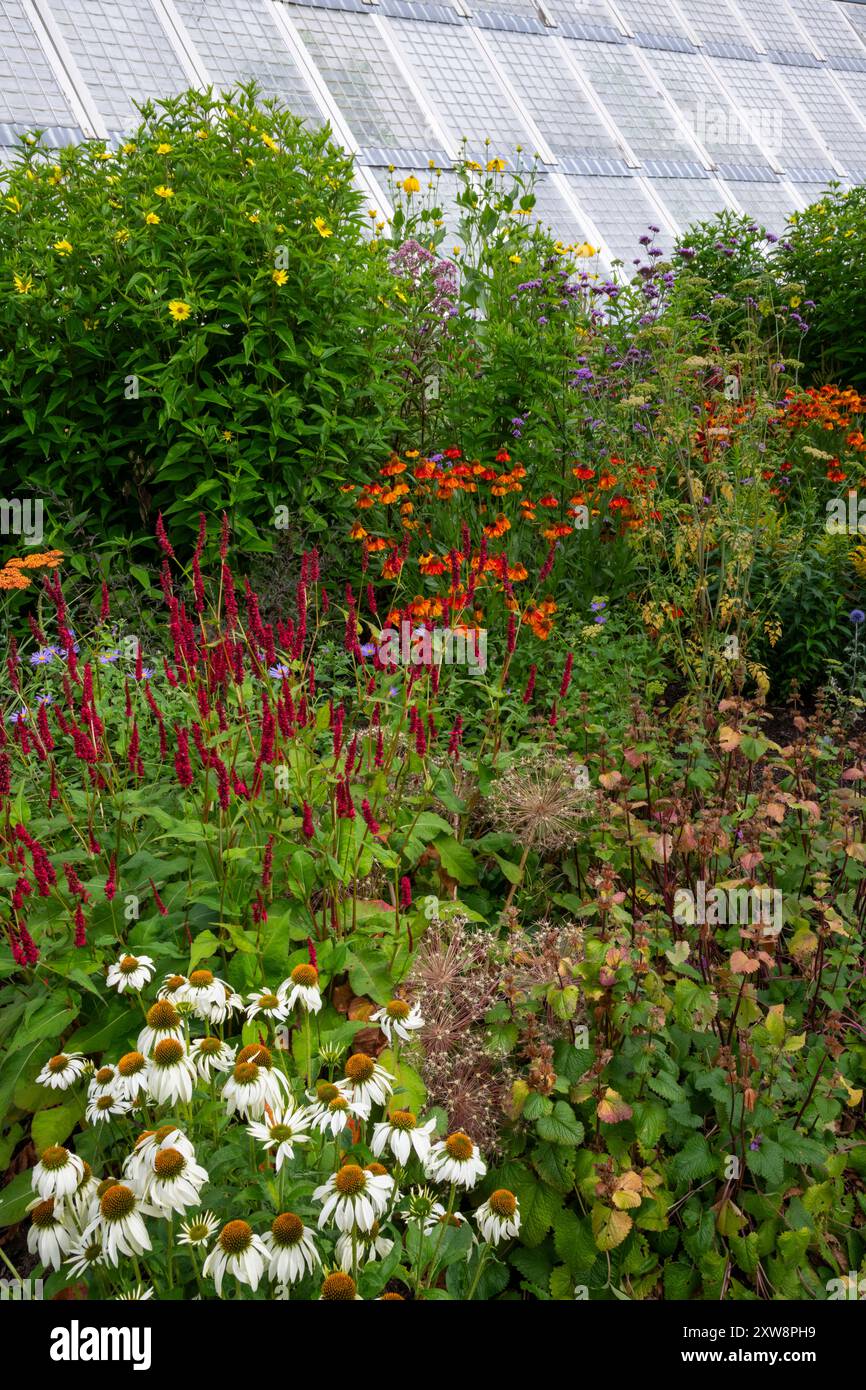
point(187, 322)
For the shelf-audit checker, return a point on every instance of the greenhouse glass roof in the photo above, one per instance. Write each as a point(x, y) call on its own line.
point(639, 111)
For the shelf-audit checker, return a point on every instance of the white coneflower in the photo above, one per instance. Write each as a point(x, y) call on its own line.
point(198, 1230)
point(172, 988)
point(401, 1133)
point(302, 987)
point(48, 1237)
point(203, 992)
point(58, 1172)
point(138, 1167)
point(290, 1248)
point(275, 1085)
point(423, 1208)
point(122, 1223)
point(220, 1006)
point(171, 1073)
point(339, 1288)
point(176, 1182)
point(270, 1005)
point(371, 1246)
point(103, 1080)
point(365, 1084)
point(81, 1202)
point(132, 1075)
point(63, 1070)
point(455, 1160)
point(499, 1217)
point(211, 1055)
point(135, 1295)
point(246, 1092)
point(163, 1021)
point(86, 1253)
point(103, 1107)
point(398, 1018)
point(238, 1251)
point(331, 1110)
point(353, 1198)
point(130, 972)
point(282, 1133)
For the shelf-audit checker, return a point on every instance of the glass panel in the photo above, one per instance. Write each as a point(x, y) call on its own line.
point(527, 8)
point(461, 84)
point(651, 17)
point(692, 200)
point(825, 21)
point(714, 19)
point(560, 108)
point(856, 15)
point(771, 22)
point(582, 11)
point(29, 93)
point(835, 121)
point(122, 53)
point(770, 204)
point(362, 78)
point(238, 41)
point(854, 83)
point(621, 210)
point(711, 117)
point(554, 212)
point(765, 106)
point(636, 107)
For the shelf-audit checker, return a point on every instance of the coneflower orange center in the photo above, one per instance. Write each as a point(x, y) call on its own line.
point(131, 1063)
point(360, 1067)
point(502, 1202)
point(325, 1091)
point(168, 1163)
point(268, 1001)
point(58, 1063)
point(256, 1052)
point(339, 1287)
point(104, 1075)
point(350, 1180)
point(246, 1073)
point(210, 1046)
point(43, 1215)
point(162, 1014)
point(55, 1156)
point(398, 1008)
point(403, 1119)
point(235, 1237)
point(459, 1146)
point(168, 1052)
point(287, 1228)
point(305, 975)
point(128, 965)
point(117, 1202)
point(200, 979)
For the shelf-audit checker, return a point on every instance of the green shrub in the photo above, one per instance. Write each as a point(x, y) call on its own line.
point(186, 323)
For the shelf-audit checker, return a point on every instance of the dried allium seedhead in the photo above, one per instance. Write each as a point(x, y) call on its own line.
point(542, 801)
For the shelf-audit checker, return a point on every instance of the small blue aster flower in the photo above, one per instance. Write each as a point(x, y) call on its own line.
point(107, 658)
point(276, 673)
point(43, 656)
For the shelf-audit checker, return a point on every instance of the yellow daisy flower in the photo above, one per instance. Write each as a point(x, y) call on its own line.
point(411, 185)
point(152, 218)
point(63, 248)
point(270, 143)
point(23, 283)
point(179, 310)
point(279, 277)
point(163, 149)
point(322, 227)
point(162, 192)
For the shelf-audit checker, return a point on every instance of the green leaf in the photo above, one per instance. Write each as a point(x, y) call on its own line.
point(456, 859)
point(55, 1124)
point(15, 1197)
point(562, 1127)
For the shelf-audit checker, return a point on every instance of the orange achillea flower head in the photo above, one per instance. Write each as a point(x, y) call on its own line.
point(44, 559)
point(13, 579)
